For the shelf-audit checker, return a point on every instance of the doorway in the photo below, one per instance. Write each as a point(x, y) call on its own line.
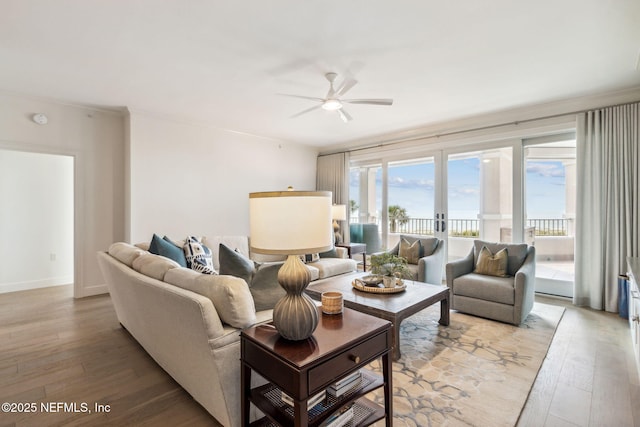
point(36, 220)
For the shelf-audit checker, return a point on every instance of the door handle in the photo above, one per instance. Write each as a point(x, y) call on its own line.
point(437, 226)
point(444, 226)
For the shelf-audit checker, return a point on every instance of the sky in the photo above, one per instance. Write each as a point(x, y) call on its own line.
point(412, 187)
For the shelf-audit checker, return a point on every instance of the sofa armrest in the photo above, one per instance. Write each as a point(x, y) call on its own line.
point(524, 285)
point(459, 267)
point(430, 267)
point(342, 252)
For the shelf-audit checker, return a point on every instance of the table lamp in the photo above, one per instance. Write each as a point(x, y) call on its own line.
point(292, 223)
point(338, 213)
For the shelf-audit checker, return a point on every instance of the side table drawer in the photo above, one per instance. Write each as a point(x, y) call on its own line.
point(346, 361)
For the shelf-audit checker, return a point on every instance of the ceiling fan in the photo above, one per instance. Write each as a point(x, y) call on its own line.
point(333, 101)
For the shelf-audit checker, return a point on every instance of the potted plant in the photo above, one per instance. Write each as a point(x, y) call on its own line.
point(391, 267)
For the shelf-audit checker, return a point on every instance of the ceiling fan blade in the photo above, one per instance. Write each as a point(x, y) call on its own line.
point(346, 85)
point(346, 117)
point(312, 98)
point(308, 110)
point(369, 101)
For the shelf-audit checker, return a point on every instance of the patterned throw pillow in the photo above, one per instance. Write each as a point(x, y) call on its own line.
point(492, 264)
point(307, 258)
point(198, 256)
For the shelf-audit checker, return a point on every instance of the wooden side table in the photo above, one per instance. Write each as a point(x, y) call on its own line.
point(340, 345)
point(354, 249)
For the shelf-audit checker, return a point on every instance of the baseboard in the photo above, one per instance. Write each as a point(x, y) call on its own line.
point(35, 284)
point(92, 290)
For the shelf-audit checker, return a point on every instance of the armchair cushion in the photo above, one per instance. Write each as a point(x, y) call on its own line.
point(428, 245)
point(488, 288)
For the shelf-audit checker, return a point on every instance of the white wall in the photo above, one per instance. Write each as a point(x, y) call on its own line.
point(36, 220)
point(191, 179)
point(96, 141)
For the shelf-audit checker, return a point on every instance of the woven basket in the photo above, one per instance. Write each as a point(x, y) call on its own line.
point(332, 302)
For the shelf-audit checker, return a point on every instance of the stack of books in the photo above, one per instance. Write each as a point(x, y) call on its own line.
point(340, 418)
point(340, 387)
point(311, 402)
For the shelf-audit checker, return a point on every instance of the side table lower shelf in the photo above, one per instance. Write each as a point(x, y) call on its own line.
point(366, 412)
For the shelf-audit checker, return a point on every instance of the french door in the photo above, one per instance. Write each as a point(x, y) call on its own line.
point(520, 190)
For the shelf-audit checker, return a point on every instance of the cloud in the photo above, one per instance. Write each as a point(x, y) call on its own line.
point(463, 191)
point(399, 182)
point(546, 169)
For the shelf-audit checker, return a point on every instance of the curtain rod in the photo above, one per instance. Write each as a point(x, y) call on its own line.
point(456, 132)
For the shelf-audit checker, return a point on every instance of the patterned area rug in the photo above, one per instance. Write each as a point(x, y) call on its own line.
point(474, 372)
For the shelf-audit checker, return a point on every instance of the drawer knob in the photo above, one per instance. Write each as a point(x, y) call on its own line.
point(356, 359)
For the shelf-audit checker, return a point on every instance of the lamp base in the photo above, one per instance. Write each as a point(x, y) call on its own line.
point(295, 316)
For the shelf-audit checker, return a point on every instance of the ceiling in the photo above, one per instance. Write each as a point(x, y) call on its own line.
point(227, 62)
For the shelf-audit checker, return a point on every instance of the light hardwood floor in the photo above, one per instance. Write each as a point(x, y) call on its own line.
point(57, 349)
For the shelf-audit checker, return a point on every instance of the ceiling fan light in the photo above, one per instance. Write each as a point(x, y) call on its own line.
point(331, 105)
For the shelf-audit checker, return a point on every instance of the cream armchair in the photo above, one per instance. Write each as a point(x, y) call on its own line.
point(506, 299)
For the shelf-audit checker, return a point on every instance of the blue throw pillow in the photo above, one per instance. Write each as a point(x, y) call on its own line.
point(168, 249)
point(235, 264)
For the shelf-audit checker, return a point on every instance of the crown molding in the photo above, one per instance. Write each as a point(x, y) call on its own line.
point(118, 111)
point(189, 121)
point(495, 119)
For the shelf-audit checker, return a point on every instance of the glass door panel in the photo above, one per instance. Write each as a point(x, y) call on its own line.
point(479, 199)
point(410, 198)
point(365, 206)
point(550, 202)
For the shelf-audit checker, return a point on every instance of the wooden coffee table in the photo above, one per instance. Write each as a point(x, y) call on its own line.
point(393, 307)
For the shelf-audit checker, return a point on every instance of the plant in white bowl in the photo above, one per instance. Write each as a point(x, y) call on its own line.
point(391, 267)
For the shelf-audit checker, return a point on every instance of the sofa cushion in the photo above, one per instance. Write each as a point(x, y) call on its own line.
point(328, 267)
point(230, 295)
point(268, 258)
point(198, 256)
point(264, 286)
point(165, 247)
point(152, 265)
point(488, 288)
point(492, 264)
point(125, 253)
point(410, 251)
point(517, 252)
point(314, 271)
point(235, 264)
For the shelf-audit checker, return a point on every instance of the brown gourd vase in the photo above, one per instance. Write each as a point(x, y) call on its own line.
point(295, 315)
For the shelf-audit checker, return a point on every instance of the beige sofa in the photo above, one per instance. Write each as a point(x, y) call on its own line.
point(189, 322)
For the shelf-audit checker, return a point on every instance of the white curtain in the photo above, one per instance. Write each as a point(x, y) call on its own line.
point(608, 202)
point(333, 175)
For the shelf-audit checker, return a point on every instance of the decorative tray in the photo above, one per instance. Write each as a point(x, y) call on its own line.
point(371, 280)
point(360, 285)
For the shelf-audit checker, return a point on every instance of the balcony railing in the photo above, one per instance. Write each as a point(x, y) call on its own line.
point(549, 226)
point(471, 227)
